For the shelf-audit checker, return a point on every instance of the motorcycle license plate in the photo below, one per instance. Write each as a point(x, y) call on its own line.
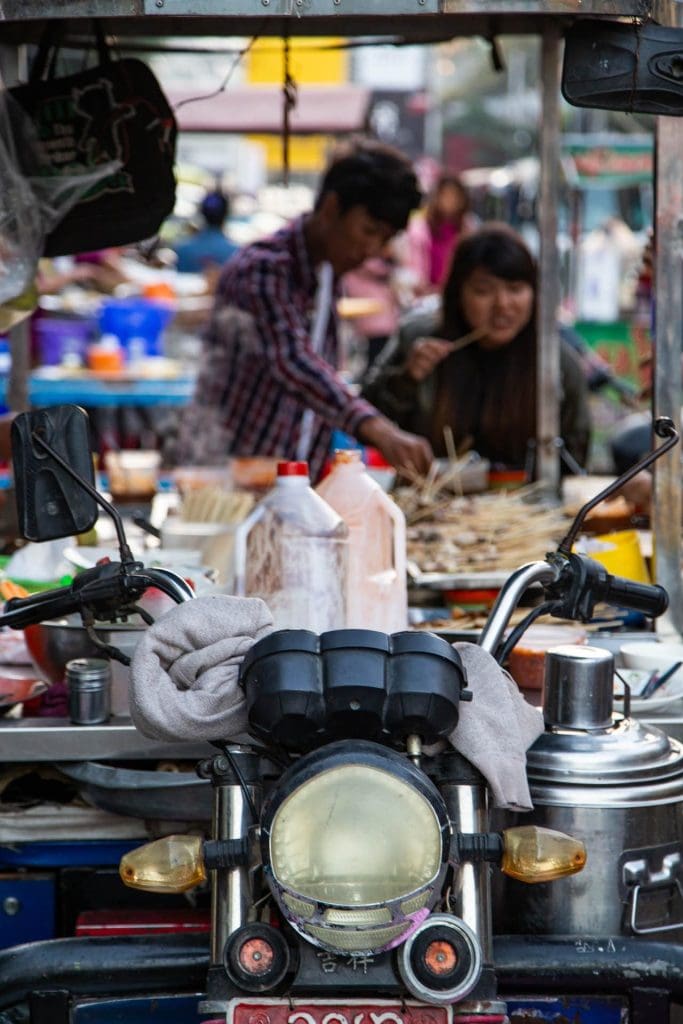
point(338, 1011)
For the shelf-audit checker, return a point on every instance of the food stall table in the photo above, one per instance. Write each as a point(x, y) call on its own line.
point(47, 740)
point(51, 387)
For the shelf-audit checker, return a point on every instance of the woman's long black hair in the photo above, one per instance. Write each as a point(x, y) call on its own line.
point(488, 397)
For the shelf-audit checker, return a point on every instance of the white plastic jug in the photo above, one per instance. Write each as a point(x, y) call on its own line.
point(377, 589)
point(292, 551)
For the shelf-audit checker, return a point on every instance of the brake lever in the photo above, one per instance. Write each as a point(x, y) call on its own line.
point(170, 583)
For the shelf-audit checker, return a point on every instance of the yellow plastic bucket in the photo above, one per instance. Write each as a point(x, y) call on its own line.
point(621, 554)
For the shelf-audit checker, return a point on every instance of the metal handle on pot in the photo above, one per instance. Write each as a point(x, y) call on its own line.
point(634, 910)
point(627, 694)
point(643, 878)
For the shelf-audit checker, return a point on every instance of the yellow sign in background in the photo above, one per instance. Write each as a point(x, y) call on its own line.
point(311, 62)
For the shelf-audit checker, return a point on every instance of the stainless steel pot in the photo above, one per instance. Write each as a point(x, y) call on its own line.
point(615, 783)
point(52, 644)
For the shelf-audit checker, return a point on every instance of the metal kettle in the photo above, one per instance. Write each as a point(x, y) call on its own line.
point(615, 783)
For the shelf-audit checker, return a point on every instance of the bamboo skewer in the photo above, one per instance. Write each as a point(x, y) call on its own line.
point(450, 444)
point(479, 533)
point(467, 339)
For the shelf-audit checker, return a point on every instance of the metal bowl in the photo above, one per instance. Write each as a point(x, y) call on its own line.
point(52, 644)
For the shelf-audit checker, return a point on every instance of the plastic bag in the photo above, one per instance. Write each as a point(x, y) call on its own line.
point(31, 204)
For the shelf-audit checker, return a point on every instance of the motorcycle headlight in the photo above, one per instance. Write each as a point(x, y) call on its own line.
point(354, 841)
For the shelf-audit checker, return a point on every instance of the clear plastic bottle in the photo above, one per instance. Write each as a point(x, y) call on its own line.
point(292, 551)
point(377, 590)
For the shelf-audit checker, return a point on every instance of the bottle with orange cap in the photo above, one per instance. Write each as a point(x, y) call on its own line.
point(292, 551)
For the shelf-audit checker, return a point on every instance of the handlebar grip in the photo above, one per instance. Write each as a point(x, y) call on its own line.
point(50, 604)
point(650, 599)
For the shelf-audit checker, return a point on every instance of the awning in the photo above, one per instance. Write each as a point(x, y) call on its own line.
point(257, 109)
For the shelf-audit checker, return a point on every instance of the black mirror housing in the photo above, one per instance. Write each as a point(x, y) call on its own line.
point(614, 65)
point(50, 503)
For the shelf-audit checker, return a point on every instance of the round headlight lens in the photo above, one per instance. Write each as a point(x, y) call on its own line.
point(354, 839)
point(355, 835)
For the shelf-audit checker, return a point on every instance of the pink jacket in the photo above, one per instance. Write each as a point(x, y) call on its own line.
point(429, 253)
point(373, 280)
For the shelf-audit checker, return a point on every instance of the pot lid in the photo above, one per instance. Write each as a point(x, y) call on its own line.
point(627, 753)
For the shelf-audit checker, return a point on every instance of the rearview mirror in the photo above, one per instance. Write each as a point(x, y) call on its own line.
point(622, 66)
point(50, 502)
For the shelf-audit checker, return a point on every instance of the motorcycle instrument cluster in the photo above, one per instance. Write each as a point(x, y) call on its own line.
point(304, 689)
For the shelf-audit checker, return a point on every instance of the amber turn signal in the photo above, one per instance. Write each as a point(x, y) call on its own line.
point(534, 854)
point(171, 864)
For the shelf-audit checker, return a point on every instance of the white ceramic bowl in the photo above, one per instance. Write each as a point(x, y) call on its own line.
point(647, 654)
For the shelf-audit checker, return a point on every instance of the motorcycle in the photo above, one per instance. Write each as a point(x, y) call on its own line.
point(351, 851)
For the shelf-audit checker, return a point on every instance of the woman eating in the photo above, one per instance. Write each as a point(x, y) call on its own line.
point(466, 377)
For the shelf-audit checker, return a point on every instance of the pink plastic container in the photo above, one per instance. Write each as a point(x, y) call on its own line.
point(377, 590)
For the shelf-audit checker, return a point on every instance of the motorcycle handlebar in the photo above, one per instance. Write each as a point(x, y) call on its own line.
point(574, 584)
point(50, 604)
point(583, 583)
point(650, 599)
point(105, 589)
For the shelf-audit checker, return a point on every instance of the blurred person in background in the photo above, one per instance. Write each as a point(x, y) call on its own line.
point(375, 281)
point(268, 382)
point(469, 371)
point(434, 232)
point(208, 249)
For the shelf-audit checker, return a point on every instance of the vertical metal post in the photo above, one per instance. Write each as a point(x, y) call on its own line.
point(433, 129)
point(548, 358)
point(668, 283)
point(13, 70)
point(230, 893)
point(17, 384)
point(468, 810)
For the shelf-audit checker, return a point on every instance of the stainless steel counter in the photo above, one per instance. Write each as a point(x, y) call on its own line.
point(56, 739)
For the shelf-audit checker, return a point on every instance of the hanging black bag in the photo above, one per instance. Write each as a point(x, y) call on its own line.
point(115, 111)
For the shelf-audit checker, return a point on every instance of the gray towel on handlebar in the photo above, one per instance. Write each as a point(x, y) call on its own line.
point(185, 669)
point(496, 728)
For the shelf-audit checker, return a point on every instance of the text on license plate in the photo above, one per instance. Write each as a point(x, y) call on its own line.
point(325, 1011)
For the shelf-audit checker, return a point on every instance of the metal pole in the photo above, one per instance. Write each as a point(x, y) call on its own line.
point(468, 809)
point(13, 70)
point(548, 355)
point(230, 890)
point(667, 349)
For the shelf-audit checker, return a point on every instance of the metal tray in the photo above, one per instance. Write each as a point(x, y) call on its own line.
point(138, 793)
point(457, 580)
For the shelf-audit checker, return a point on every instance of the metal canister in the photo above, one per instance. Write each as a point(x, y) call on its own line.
point(88, 681)
point(617, 784)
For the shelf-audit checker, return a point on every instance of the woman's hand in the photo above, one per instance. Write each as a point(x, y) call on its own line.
point(425, 355)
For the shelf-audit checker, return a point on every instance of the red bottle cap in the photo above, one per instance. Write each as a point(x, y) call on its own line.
point(292, 469)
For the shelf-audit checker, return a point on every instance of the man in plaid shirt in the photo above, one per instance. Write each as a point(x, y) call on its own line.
point(268, 383)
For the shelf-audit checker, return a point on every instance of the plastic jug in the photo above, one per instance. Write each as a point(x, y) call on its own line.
point(292, 551)
point(377, 590)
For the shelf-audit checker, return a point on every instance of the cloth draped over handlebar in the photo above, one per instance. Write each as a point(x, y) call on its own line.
point(184, 686)
point(185, 669)
point(496, 728)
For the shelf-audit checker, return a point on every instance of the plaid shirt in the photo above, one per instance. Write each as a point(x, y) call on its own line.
point(259, 372)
